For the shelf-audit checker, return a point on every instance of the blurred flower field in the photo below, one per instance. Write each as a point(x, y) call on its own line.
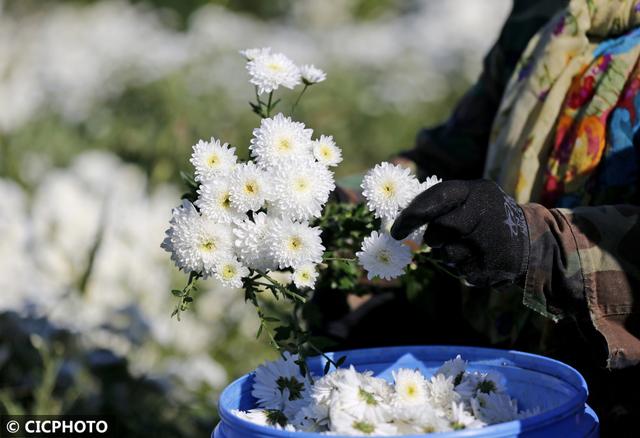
point(100, 103)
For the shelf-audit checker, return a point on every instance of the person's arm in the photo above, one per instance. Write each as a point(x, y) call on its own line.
point(457, 148)
point(585, 263)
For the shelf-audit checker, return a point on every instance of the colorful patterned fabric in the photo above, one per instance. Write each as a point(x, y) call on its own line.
point(550, 133)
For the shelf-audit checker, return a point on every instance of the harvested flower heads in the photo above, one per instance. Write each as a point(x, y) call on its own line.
point(350, 402)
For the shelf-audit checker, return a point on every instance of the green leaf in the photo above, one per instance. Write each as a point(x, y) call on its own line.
point(176, 292)
point(341, 361)
point(327, 367)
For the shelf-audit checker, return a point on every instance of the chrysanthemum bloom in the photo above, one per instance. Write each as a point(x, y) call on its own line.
point(279, 140)
point(269, 71)
point(460, 418)
point(388, 189)
point(300, 191)
point(440, 392)
point(211, 159)
point(326, 151)
point(251, 241)
point(251, 54)
point(489, 382)
point(365, 397)
point(305, 276)
point(310, 74)
point(494, 408)
point(343, 423)
point(382, 256)
point(248, 187)
point(410, 388)
point(279, 385)
point(419, 419)
point(453, 368)
point(195, 242)
point(214, 201)
point(292, 244)
point(230, 272)
point(265, 417)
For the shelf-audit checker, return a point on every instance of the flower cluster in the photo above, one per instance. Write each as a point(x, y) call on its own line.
point(348, 402)
point(256, 215)
point(388, 189)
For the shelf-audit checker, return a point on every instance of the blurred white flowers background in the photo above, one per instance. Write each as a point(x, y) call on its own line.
point(99, 104)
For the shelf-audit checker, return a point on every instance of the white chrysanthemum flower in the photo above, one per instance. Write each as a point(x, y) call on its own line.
point(195, 242)
point(269, 71)
point(429, 182)
point(312, 418)
point(388, 189)
point(489, 381)
point(248, 187)
point(467, 385)
point(493, 408)
point(453, 368)
point(382, 256)
point(326, 151)
point(299, 192)
point(529, 412)
point(305, 276)
point(344, 423)
point(279, 140)
point(410, 388)
point(251, 241)
point(230, 272)
point(311, 74)
point(440, 393)
point(214, 201)
point(280, 385)
point(419, 419)
point(251, 54)
point(265, 417)
point(325, 387)
point(365, 397)
point(460, 418)
point(211, 159)
point(292, 244)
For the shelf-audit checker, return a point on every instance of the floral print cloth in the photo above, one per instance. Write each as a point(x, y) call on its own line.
point(567, 119)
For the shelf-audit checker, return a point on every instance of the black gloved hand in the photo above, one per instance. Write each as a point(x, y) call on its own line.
point(474, 227)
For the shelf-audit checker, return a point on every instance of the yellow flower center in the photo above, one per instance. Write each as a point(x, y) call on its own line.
point(275, 67)
point(384, 257)
point(411, 390)
point(325, 151)
point(301, 184)
point(225, 201)
point(208, 245)
point(284, 144)
point(213, 160)
point(228, 272)
point(251, 187)
point(295, 243)
point(388, 189)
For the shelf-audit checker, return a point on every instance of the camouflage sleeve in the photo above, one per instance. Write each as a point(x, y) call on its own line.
point(584, 263)
point(457, 148)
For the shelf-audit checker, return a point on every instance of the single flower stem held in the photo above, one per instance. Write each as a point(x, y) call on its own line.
point(293, 108)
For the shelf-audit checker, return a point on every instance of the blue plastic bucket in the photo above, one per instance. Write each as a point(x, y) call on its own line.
point(559, 390)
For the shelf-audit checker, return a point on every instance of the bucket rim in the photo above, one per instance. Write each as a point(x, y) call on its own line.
point(562, 371)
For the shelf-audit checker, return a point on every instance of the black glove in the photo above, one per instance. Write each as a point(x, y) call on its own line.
point(474, 227)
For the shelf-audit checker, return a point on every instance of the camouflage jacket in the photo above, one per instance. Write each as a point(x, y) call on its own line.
point(582, 262)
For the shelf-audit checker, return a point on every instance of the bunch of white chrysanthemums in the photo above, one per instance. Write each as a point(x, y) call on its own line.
point(256, 214)
point(349, 402)
point(388, 189)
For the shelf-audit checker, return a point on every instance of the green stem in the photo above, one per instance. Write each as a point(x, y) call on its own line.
point(283, 289)
point(269, 104)
point(340, 259)
point(439, 267)
point(293, 108)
